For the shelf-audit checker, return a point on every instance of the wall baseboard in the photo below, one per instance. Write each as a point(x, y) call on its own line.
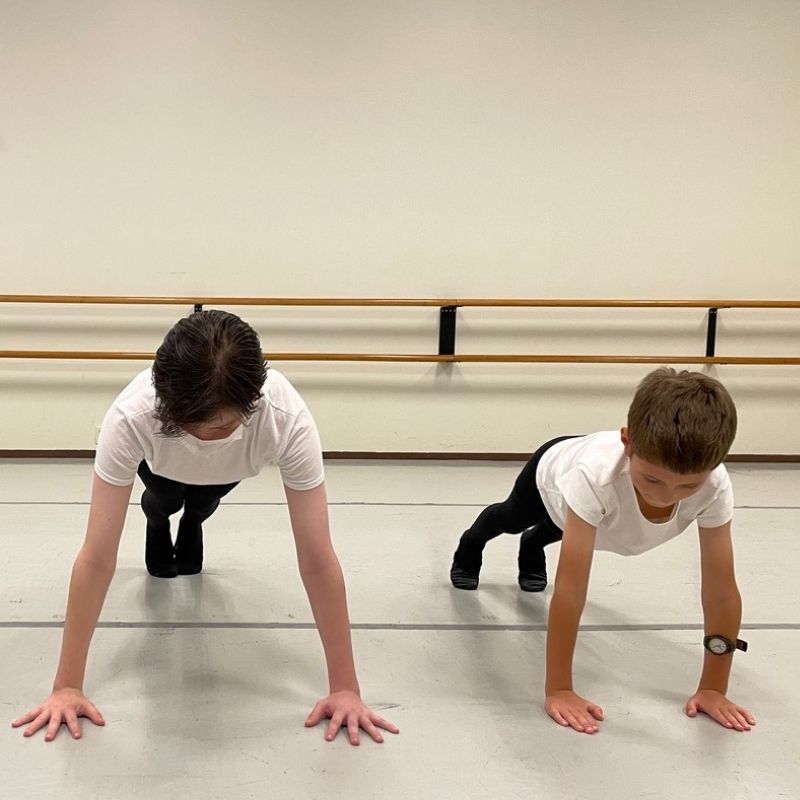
point(755, 458)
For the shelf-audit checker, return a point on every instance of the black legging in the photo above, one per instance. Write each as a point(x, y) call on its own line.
point(163, 497)
point(522, 511)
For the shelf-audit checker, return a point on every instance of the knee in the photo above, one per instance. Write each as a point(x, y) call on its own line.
point(160, 505)
point(201, 507)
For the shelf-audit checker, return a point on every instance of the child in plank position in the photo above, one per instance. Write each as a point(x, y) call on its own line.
point(627, 493)
point(206, 416)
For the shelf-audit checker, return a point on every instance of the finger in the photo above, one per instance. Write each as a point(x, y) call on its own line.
point(317, 713)
point(370, 728)
point(25, 718)
point(91, 712)
point(335, 724)
point(745, 715)
point(557, 716)
point(589, 725)
point(573, 721)
point(352, 729)
point(382, 723)
point(71, 718)
point(596, 712)
point(691, 708)
point(719, 716)
point(53, 726)
point(732, 720)
point(39, 722)
point(740, 715)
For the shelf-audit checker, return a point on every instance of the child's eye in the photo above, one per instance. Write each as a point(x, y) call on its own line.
point(650, 479)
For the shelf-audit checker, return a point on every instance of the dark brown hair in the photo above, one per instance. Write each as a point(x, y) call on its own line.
point(209, 361)
point(682, 421)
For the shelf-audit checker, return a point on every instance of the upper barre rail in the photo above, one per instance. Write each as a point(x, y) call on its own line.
point(474, 302)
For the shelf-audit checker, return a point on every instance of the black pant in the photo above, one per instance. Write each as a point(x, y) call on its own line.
point(523, 512)
point(163, 497)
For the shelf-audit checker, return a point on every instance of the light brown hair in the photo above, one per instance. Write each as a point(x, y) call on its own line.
point(682, 421)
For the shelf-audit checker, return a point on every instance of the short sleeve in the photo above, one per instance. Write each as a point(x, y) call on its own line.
point(300, 462)
point(118, 450)
point(581, 496)
point(720, 509)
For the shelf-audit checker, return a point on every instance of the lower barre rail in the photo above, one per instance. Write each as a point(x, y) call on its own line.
point(469, 358)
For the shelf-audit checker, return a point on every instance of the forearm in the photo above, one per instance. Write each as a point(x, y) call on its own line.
point(326, 593)
point(723, 615)
point(87, 591)
point(562, 633)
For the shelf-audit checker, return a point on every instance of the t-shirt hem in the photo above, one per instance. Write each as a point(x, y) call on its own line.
point(713, 522)
point(113, 481)
point(304, 486)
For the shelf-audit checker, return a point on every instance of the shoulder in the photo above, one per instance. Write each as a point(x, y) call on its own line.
point(134, 405)
point(138, 395)
point(718, 487)
point(719, 478)
point(600, 457)
point(135, 401)
point(280, 397)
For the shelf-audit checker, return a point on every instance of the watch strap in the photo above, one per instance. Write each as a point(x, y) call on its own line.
point(733, 644)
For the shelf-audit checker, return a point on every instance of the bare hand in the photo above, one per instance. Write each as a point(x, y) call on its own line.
point(571, 710)
point(720, 709)
point(347, 709)
point(63, 705)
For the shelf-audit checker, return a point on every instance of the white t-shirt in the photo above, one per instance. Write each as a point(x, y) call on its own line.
point(591, 475)
point(281, 431)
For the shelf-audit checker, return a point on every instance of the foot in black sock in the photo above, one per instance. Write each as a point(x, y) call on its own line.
point(159, 555)
point(465, 570)
point(532, 565)
point(189, 548)
point(532, 581)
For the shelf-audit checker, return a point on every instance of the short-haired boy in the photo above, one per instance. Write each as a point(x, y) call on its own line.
point(627, 493)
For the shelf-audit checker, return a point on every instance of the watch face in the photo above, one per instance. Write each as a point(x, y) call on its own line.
point(717, 646)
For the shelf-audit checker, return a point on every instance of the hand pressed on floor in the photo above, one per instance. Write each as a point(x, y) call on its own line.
point(63, 706)
point(572, 710)
point(346, 709)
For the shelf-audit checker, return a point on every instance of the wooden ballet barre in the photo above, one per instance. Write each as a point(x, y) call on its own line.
point(401, 302)
point(448, 311)
point(407, 302)
point(429, 358)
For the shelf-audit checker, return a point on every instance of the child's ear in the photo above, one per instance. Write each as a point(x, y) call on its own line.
point(625, 438)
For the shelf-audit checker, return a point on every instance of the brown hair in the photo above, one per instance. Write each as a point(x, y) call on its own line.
point(208, 361)
point(682, 421)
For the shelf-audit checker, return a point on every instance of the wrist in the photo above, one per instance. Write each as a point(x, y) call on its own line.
point(562, 686)
point(349, 687)
point(705, 687)
point(59, 686)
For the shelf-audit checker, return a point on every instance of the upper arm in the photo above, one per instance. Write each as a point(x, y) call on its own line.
point(107, 511)
point(300, 461)
point(577, 552)
point(308, 513)
point(716, 558)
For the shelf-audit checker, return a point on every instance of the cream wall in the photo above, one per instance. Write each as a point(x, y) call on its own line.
point(584, 149)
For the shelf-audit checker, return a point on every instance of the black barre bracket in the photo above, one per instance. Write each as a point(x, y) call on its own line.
point(447, 330)
point(711, 333)
point(198, 307)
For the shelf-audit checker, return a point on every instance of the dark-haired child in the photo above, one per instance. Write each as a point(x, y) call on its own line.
point(206, 416)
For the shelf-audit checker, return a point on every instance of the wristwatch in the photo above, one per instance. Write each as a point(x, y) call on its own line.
point(720, 645)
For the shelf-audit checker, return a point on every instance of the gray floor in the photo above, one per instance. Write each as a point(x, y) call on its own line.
point(205, 681)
